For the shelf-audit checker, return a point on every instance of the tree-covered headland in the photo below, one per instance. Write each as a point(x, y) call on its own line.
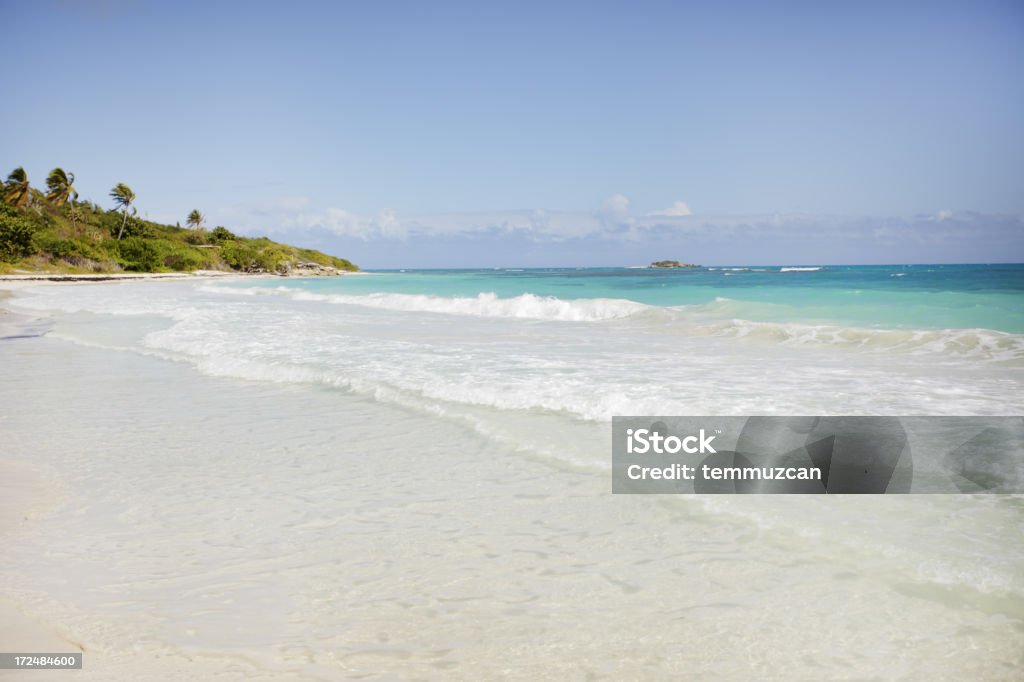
point(52, 230)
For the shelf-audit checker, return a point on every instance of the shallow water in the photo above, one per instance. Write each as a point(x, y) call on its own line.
point(304, 485)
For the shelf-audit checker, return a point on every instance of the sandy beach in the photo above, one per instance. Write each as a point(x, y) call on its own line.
point(113, 276)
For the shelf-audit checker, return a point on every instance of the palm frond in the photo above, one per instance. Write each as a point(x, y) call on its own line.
point(17, 175)
point(17, 191)
point(195, 219)
point(122, 195)
point(61, 186)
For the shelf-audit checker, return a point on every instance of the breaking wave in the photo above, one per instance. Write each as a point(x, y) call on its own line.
point(487, 304)
point(722, 317)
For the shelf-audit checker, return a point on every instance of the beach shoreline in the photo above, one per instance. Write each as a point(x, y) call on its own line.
point(13, 323)
point(114, 276)
point(126, 276)
point(16, 324)
point(219, 517)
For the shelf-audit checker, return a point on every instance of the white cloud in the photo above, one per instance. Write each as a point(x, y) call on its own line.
point(387, 224)
point(336, 220)
point(287, 217)
point(676, 210)
point(291, 214)
point(616, 203)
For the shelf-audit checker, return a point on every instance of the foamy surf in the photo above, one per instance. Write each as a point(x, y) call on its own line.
point(485, 304)
point(466, 354)
point(722, 318)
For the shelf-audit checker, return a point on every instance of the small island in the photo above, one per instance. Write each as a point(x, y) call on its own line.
point(671, 264)
point(54, 234)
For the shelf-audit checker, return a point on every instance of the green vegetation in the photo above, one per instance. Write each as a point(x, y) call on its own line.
point(672, 264)
point(55, 232)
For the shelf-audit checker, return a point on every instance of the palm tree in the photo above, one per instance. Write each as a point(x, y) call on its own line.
point(195, 219)
point(123, 196)
point(17, 191)
point(61, 186)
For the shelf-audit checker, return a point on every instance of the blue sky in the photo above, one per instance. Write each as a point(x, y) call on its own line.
point(407, 134)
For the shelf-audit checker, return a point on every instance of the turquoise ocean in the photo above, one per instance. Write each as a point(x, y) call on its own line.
point(871, 296)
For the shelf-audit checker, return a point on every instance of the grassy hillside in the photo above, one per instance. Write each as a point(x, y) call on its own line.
point(81, 237)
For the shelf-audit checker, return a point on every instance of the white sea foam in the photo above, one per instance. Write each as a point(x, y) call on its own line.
point(979, 344)
point(487, 304)
point(721, 317)
point(799, 269)
point(689, 359)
